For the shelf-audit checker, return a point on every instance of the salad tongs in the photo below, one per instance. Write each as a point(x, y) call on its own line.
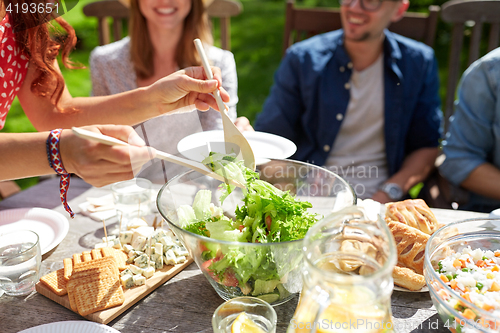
point(231, 133)
point(197, 166)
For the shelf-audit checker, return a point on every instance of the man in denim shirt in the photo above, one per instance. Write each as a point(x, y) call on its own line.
point(472, 145)
point(361, 101)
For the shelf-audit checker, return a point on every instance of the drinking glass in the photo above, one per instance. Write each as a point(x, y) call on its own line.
point(347, 273)
point(20, 259)
point(255, 309)
point(132, 199)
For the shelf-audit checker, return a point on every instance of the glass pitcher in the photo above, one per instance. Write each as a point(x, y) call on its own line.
point(348, 263)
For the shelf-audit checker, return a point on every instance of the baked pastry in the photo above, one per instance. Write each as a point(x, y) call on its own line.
point(410, 244)
point(356, 248)
point(413, 212)
point(407, 278)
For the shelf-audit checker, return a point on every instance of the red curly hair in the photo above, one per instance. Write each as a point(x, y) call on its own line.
point(33, 34)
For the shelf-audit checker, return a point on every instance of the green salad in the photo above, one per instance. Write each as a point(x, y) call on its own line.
point(266, 215)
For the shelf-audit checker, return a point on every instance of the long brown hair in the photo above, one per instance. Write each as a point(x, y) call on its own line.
point(196, 25)
point(33, 34)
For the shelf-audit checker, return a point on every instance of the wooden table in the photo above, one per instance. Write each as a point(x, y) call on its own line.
point(183, 304)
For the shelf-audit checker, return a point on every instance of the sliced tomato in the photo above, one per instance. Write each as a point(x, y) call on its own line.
point(269, 221)
point(203, 247)
point(229, 279)
point(205, 267)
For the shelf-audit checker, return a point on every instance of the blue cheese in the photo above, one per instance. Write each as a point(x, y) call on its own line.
point(125, 272)
point(127, 248)
point(148, 272)
point(170, 258)
point(127, 281)
point(145, 232)
point(116, 244)
point(109, 238)
point(142, 261)
point(134, 254)
point(139, 280)
point(159, 248)
point(167, 242)
point(158, 260)
point(136, 270)
point(180, 251)
point(126, 237)
point(100, 245)
point(158, 234)
point(180, 259)
point(139, 242)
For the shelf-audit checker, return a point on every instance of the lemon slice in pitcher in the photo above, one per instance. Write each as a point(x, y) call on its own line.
point(243, 324)
point(354, 310)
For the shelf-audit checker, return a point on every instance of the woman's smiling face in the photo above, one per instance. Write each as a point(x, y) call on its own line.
point(165, 14)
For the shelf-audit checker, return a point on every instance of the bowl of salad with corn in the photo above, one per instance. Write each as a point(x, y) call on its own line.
point(462, 271)
point(248, 241)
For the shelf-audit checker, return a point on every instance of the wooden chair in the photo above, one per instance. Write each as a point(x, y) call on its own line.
point(462, 14)
point(302, 23)
point(222, 10)
point(103, 10)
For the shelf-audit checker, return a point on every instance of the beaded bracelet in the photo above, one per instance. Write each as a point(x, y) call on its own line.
point(55, 161)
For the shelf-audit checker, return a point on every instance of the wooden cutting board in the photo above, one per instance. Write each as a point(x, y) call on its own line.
point(132, 295)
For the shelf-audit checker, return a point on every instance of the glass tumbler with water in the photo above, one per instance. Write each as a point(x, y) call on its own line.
point(132, 199)
point(348, 262)
point(20, 259)
point(244, 314)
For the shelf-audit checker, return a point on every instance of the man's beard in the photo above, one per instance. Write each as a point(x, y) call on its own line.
point(366, 36)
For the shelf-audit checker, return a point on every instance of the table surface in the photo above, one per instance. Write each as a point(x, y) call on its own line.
point(183, 304)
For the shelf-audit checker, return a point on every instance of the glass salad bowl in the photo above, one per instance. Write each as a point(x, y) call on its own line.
point(464, 284)
point(270, 271)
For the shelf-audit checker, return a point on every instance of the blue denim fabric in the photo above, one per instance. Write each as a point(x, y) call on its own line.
point(309, 97)
point(474, 135)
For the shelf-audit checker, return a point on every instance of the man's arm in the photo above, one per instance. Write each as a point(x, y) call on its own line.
point(471, 140)
point(185, 89)
point(416, 167)
point(484, 180)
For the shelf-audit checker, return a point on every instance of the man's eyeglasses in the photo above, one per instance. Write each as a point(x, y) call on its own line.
point(368, 5)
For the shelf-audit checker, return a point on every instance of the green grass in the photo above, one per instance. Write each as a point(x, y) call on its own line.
point(256, 41)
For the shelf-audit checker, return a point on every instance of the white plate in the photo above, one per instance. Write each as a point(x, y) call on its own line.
point(423, 290)
point(495, 214)
point(264, 145)
point(71, 327)
point(50, 226)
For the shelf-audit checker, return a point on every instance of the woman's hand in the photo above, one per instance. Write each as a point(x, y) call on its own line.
point(99, 164)
point(187, 89)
